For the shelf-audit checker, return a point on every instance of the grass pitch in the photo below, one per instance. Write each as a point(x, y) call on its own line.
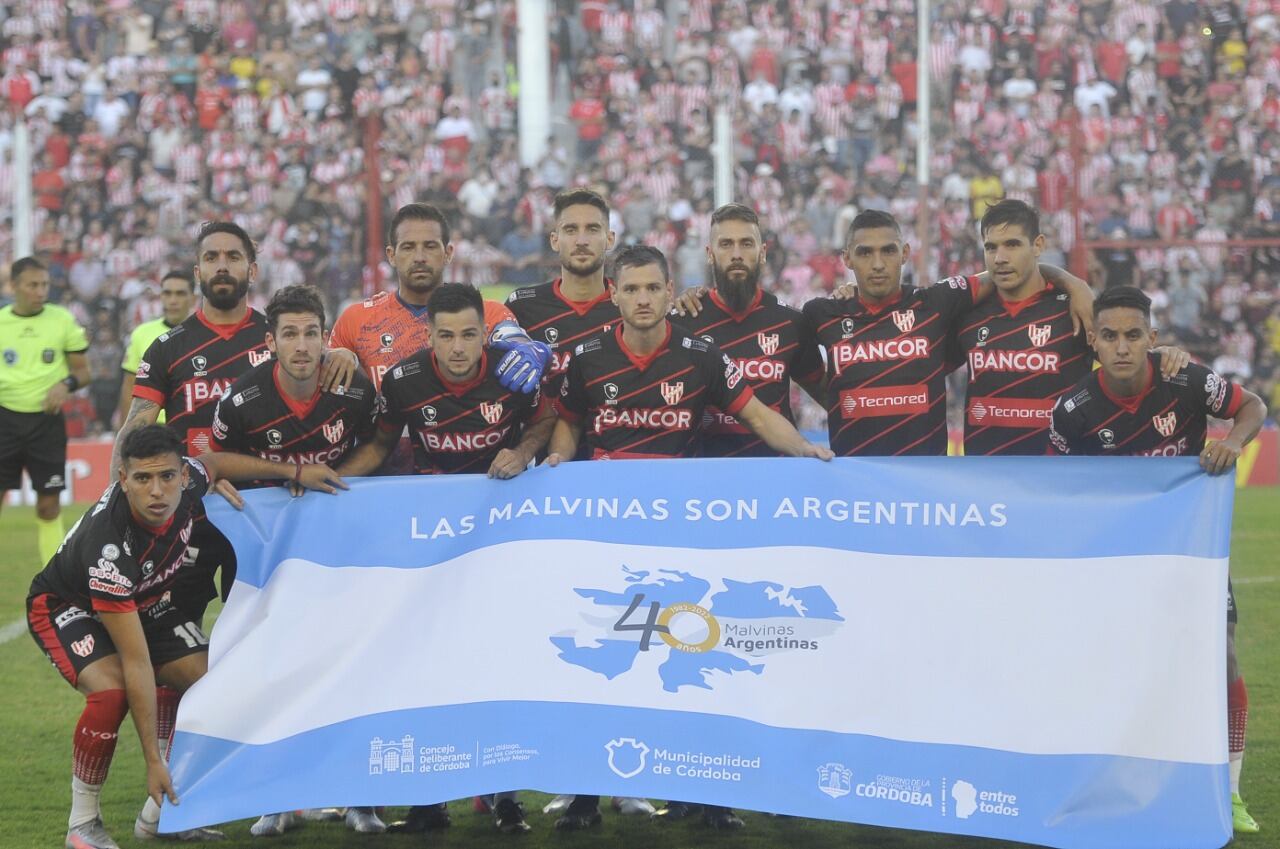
point(38, 711)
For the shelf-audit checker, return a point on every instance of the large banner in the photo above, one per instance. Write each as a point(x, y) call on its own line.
point(1031, 649)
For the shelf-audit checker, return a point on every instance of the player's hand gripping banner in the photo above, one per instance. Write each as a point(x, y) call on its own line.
point(1031, 649)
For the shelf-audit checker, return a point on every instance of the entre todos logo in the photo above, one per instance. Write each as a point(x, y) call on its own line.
point(970, 800)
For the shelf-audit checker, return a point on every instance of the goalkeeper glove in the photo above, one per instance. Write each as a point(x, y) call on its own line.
point(522, 367)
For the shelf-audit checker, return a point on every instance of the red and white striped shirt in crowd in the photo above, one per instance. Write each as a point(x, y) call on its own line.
point(1143, 84)
point(1175, 220)
point(693, 96)
point(875, 56)
point(807, 21)
point(150, 250)
point(344, 10)
point(1262, 209)
point(700, 15)
point(97, 246)
point(1163, 164)
point(188, 163)
point(260, 193)
point(1214, 256)
point(1141, 218)
point(483, 262)
point(794, 140)
point(47, 14)
point(350, 197)
point(120, 186)
point(365, 101)
point(412, 116)
point(663, 239)
point(244, 111)
point(828, 98)
point(662, 184)
point(649, 26)
point(150, 107)
point(888, 99)
point(404, 194)
point(623, 83)
point(943, 50)
point(614, 29)
point(965, 115)
point(436, 47)
point(496, 108)
point(121, 261)
point(328, 171)
point(1127, 14)
point(1094, 175)
point(666, 98)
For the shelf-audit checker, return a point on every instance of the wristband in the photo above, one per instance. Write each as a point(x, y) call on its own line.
point(297, 471)
point(71, 382)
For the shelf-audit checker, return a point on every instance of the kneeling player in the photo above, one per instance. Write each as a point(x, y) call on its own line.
point(1127, 407)
point(102, 613)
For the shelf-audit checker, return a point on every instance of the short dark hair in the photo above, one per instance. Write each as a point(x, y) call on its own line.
point(735, 212)
point(295, 299)
point(455, 297)
point(1011, 211)
point(23, 265)
point(580, 197)
point(180, 274)
point(871, 219)
point(418, 212)
point(208, 228)
point(150, 441)
point(638, 256)
point(1123, 296)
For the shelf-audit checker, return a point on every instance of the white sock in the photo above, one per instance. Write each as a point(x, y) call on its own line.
point(1236, 763)
point(150, 812)
point(84, 803)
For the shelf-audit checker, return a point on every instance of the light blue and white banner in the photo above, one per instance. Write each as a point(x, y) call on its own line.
point(1031, 649)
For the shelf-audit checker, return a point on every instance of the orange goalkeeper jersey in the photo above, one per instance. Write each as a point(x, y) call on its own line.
point(383, 331)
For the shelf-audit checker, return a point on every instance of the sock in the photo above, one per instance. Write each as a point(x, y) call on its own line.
point(93, 746)
point(1237, 720)
point(49, 536)
point(166, 717)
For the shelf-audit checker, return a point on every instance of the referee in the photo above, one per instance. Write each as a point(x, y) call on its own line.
point(178, 296)
point(43, 361)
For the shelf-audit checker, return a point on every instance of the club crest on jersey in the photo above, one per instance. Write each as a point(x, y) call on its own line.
point(199, 363)
point(611, 393)
point(672, 392)
point(1165, 425)
point(429, 414)
point(905, 319)
point(1108, 437)
point(492, 412)
point(333, 431)
point(768, 343)
point(1039, 333)
point(274, 436)
point(386, 339)
point(983, 333)
point(553, 335)
point(84, 647)
point(846, 327)
point(257, 358)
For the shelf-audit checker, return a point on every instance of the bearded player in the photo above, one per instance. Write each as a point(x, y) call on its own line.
point(1127, 407)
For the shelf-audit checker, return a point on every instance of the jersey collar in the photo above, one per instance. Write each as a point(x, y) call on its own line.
point(413, 309)
point(1015, 307)
point(226, 331)
point(460, 389)
point(876, 309)
point(642, 363)
point(738, 317)
point(1128, 403)
point(151, 529)
point(581, 307)
point(300, 409)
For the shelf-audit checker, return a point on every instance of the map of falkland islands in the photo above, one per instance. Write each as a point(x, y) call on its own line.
point(697, 628)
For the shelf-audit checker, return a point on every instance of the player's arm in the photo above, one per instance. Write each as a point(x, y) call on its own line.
point(1063, 432)
point(78, 365)
point(815, 386)
point(231, 466)
point(512, 461)
point(778, 433)
point(126, 395)
point(369, 456)
point(338, 366)
point(142, 412)
point(572, 406)
point(1221, 455)
point(125, 630)
point(565, 437)
point(690, 302)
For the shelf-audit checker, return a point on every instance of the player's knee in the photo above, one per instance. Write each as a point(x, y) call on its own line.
point(47, 507)
point(181, 674)
point(101, 676)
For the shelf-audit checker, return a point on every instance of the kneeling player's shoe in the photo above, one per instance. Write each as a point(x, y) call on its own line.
point(673, 811)
point(720, 818)
point(423, 818)
point(1241, 822)
point(274, 825)
point(90, 835)
point(320, 814)
point(364, 821)
point(632, 805)
point(558, 805)
point(509, 817)
point(144, 829)
point(578, 817)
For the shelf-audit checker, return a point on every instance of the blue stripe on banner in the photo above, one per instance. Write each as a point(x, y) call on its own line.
point(978, 506)
point(412, 756)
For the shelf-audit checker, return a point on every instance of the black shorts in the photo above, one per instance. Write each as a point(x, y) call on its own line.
point(194, 586)
point(36, 442)
point(73, 638)
point(1231, 604)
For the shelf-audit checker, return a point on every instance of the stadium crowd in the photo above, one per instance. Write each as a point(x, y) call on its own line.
point(149, 117)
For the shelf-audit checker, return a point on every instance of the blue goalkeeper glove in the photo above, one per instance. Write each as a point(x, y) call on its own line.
point(525, 362)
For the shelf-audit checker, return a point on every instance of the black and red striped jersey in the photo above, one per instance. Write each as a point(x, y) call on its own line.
point(652, 406)
point(189, 368)
point(455, 428)
point(548, 316)
point(1021, 356)
point(256, 417)
point(771, 345)
point(112, 562)
point(1167, 419)
point(887, 368)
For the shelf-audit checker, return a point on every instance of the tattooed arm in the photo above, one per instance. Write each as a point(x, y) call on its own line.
point(141, 413)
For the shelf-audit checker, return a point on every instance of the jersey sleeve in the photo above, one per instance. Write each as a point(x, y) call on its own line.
point(75, 341)
point(152, 380)
point(1064, 431)
point(113, 575)
point(498, 317)
point(952, 296)
point(389, 417)
point(367, 412)
point(227, 430)
point(132, 354)
point(197, 478)
point(727, 387)
point(571, 401)
point(807, 365)
point(1221, 397)
point(343, 333)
